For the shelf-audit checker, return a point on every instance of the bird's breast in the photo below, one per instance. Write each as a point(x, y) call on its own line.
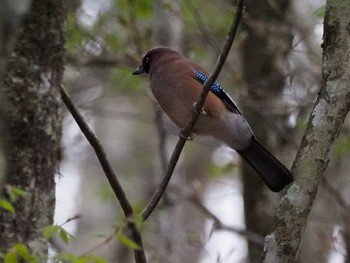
point(173, 98)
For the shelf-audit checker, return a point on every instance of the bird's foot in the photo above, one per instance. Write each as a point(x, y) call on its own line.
point(198, 111)
point(188, 138)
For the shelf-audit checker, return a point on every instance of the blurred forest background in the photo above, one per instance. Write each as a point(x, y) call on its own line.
point(274, 74)
point(215, 209)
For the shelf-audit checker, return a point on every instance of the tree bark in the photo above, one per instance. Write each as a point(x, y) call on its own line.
point(31, 88)
point(11, 13)
point(266, 46)
point(325, 122)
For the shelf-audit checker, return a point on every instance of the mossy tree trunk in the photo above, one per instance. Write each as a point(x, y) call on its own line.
point(31, 88)
point(325, 123)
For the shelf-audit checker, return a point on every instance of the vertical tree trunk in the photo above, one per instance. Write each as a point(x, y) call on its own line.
point(266, 46)
point(10, 17)
point(31, 88)
point(325, 122)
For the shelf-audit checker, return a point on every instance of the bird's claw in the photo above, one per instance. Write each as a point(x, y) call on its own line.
point(188, 138)
point(198, 111)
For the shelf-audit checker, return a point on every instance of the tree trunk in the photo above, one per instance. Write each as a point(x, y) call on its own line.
point(11, 15)
point(266, 46)
point(326, 120)
point(31, 88)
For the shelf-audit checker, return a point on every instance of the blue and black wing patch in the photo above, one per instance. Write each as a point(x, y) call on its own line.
point(219, 92)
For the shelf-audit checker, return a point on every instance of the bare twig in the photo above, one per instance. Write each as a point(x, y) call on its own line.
point(219, 225)
point(336, 195)
point(112, 178)
point(106, 241)
point(162, 135)
point(185, 133)
point(202, 27)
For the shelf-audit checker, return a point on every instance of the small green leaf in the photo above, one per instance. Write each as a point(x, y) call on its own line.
point(11, 257)
point(99, 260)
point(50, 231)
point(82, 260)
point(7, 205)
point(23, 251)
point(15, 193)
point(65, 236)
point(128, 242)
point(320, 12)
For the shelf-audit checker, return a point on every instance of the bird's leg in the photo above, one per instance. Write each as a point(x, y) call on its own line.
point(198, 111)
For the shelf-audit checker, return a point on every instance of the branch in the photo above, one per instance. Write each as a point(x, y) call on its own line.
point(219, 225)
point(325, 123)
point(185, 133)
point(112, 178)
point(336, 195)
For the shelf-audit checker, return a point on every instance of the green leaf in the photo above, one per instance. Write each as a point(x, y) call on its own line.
point(65, 236)
point(99, 260)
point(11, 257)
point(82, 260)
point(128, 242)
point(23, 251)
point(320, 12)
point(50, 231)
point(15, 193)
point(7, 205)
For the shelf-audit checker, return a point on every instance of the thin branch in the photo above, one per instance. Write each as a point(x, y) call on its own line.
point(202, 27)
point(106, 241)
point(112, 178)
point(185, 133)
point(336, 195)
point(219, 225)
point(162, 135)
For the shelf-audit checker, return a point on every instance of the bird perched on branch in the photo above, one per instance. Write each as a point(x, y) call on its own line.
point(177, 82)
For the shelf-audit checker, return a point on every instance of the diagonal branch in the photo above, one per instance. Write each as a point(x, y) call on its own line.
point(336, 195)
point(112, 178)
point(185, 133)
point(219, 225)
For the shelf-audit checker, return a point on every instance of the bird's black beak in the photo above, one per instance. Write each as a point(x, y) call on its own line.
point(139, 70)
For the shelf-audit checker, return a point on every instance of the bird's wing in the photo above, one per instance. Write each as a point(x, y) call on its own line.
point(219, 92)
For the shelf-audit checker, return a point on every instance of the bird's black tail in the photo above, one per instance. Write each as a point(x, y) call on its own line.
point(275, 175)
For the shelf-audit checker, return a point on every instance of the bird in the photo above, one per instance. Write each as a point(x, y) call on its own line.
point(176, 83)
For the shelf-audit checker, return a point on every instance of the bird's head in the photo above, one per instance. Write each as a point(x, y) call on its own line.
point(154, 57)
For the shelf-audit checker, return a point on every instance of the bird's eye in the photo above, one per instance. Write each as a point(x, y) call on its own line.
point(146, 63)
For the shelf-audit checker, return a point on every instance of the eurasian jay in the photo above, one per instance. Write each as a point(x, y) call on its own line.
point(177, 82)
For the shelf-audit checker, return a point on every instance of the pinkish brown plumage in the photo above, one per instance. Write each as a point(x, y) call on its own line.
point(176, 87)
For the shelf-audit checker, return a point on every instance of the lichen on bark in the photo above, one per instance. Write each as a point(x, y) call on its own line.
point(31, 88)
point(325, 122)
